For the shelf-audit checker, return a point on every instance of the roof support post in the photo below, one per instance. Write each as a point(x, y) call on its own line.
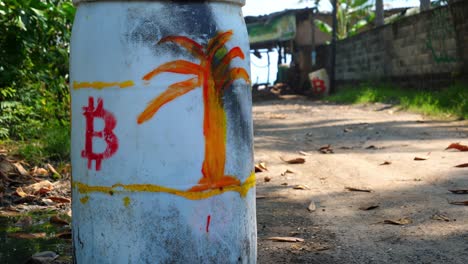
point(333, 49)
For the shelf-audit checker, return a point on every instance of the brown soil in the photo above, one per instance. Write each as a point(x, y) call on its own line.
point(361, 138)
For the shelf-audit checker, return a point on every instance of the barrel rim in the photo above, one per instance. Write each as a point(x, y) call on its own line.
point(238, 2)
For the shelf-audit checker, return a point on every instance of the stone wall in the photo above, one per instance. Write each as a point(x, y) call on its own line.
point(427, 50)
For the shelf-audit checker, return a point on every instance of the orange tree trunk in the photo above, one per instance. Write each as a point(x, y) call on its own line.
point(214, 129)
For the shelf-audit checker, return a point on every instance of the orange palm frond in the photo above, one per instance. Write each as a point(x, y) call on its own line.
point(173, 91)
point(218, 42)
point(226, 60)
point(234, 74)
point(178, 66)
point(193, 47)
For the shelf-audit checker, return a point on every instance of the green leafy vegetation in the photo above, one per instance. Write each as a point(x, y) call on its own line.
point(452, 101)
point(34, 95)
point(351, 16)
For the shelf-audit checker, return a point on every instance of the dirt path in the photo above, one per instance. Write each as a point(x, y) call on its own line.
point(338, 231)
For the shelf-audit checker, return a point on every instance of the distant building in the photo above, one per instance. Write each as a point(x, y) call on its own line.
point(293, 32)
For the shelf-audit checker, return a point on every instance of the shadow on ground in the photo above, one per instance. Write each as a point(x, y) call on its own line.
point(328, 240)
point(338, 231)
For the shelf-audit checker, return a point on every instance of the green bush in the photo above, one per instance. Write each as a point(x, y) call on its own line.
point(34, 46)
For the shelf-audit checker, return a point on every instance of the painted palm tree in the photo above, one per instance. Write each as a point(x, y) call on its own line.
point(214, 75)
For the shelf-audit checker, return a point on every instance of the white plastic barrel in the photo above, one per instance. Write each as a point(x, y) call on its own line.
point(162, 133)
point(320, 82)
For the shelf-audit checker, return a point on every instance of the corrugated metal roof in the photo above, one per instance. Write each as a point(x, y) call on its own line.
point(239, 2)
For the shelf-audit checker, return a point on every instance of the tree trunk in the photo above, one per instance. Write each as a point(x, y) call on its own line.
point(379, 13)
point(425, 5)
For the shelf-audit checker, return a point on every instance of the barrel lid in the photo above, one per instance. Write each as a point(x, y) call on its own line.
point(238, 2)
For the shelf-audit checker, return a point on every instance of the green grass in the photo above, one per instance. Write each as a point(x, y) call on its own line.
point(451, 101)
point(52, 145)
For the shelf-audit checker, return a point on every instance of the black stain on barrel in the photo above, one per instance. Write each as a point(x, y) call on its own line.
point(237, 104)
point(193, 19)
point(173, 240)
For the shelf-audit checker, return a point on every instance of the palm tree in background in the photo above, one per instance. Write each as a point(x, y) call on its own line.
point(351, 15)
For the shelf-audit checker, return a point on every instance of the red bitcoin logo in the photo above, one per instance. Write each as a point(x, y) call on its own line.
point(318, 85)
point(106, 134)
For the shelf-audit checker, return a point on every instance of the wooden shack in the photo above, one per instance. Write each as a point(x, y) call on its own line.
point(289, 32)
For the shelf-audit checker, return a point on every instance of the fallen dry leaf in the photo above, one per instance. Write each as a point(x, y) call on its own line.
point(347, 130)
point(460, 203)
point(457, 146)
point(354, 189)
point(327, 149)
point(52, 169)
point(27, 235)
point(464, 165)
point(286, 172)
point(459, 191)
point(41, 187)
point(419, 158)
point(267, 179)
point(64, 235)
point(369, 207)
point(10, 213)
point(58, 199)
point(284, 184)
point(39, 172)
point(312, 207)
point(322, 248)
point(386, 163)
point(57, 220)
point(43, 257)
point(401, 221)
point(286, 239)
point(303, 153)
point(47, 202)
point(19, 191)
point(301, 187)
point(277, 116)
point(21, 169)
point(260, 167)
point(294, 161)
point(440, 217)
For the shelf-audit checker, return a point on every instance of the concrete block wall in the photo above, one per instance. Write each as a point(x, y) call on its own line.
point(460, 17)
point(425, 50)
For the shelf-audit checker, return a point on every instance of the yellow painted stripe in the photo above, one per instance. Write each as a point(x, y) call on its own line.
point(84, 199)
point(242, 189)
point(102, 85)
